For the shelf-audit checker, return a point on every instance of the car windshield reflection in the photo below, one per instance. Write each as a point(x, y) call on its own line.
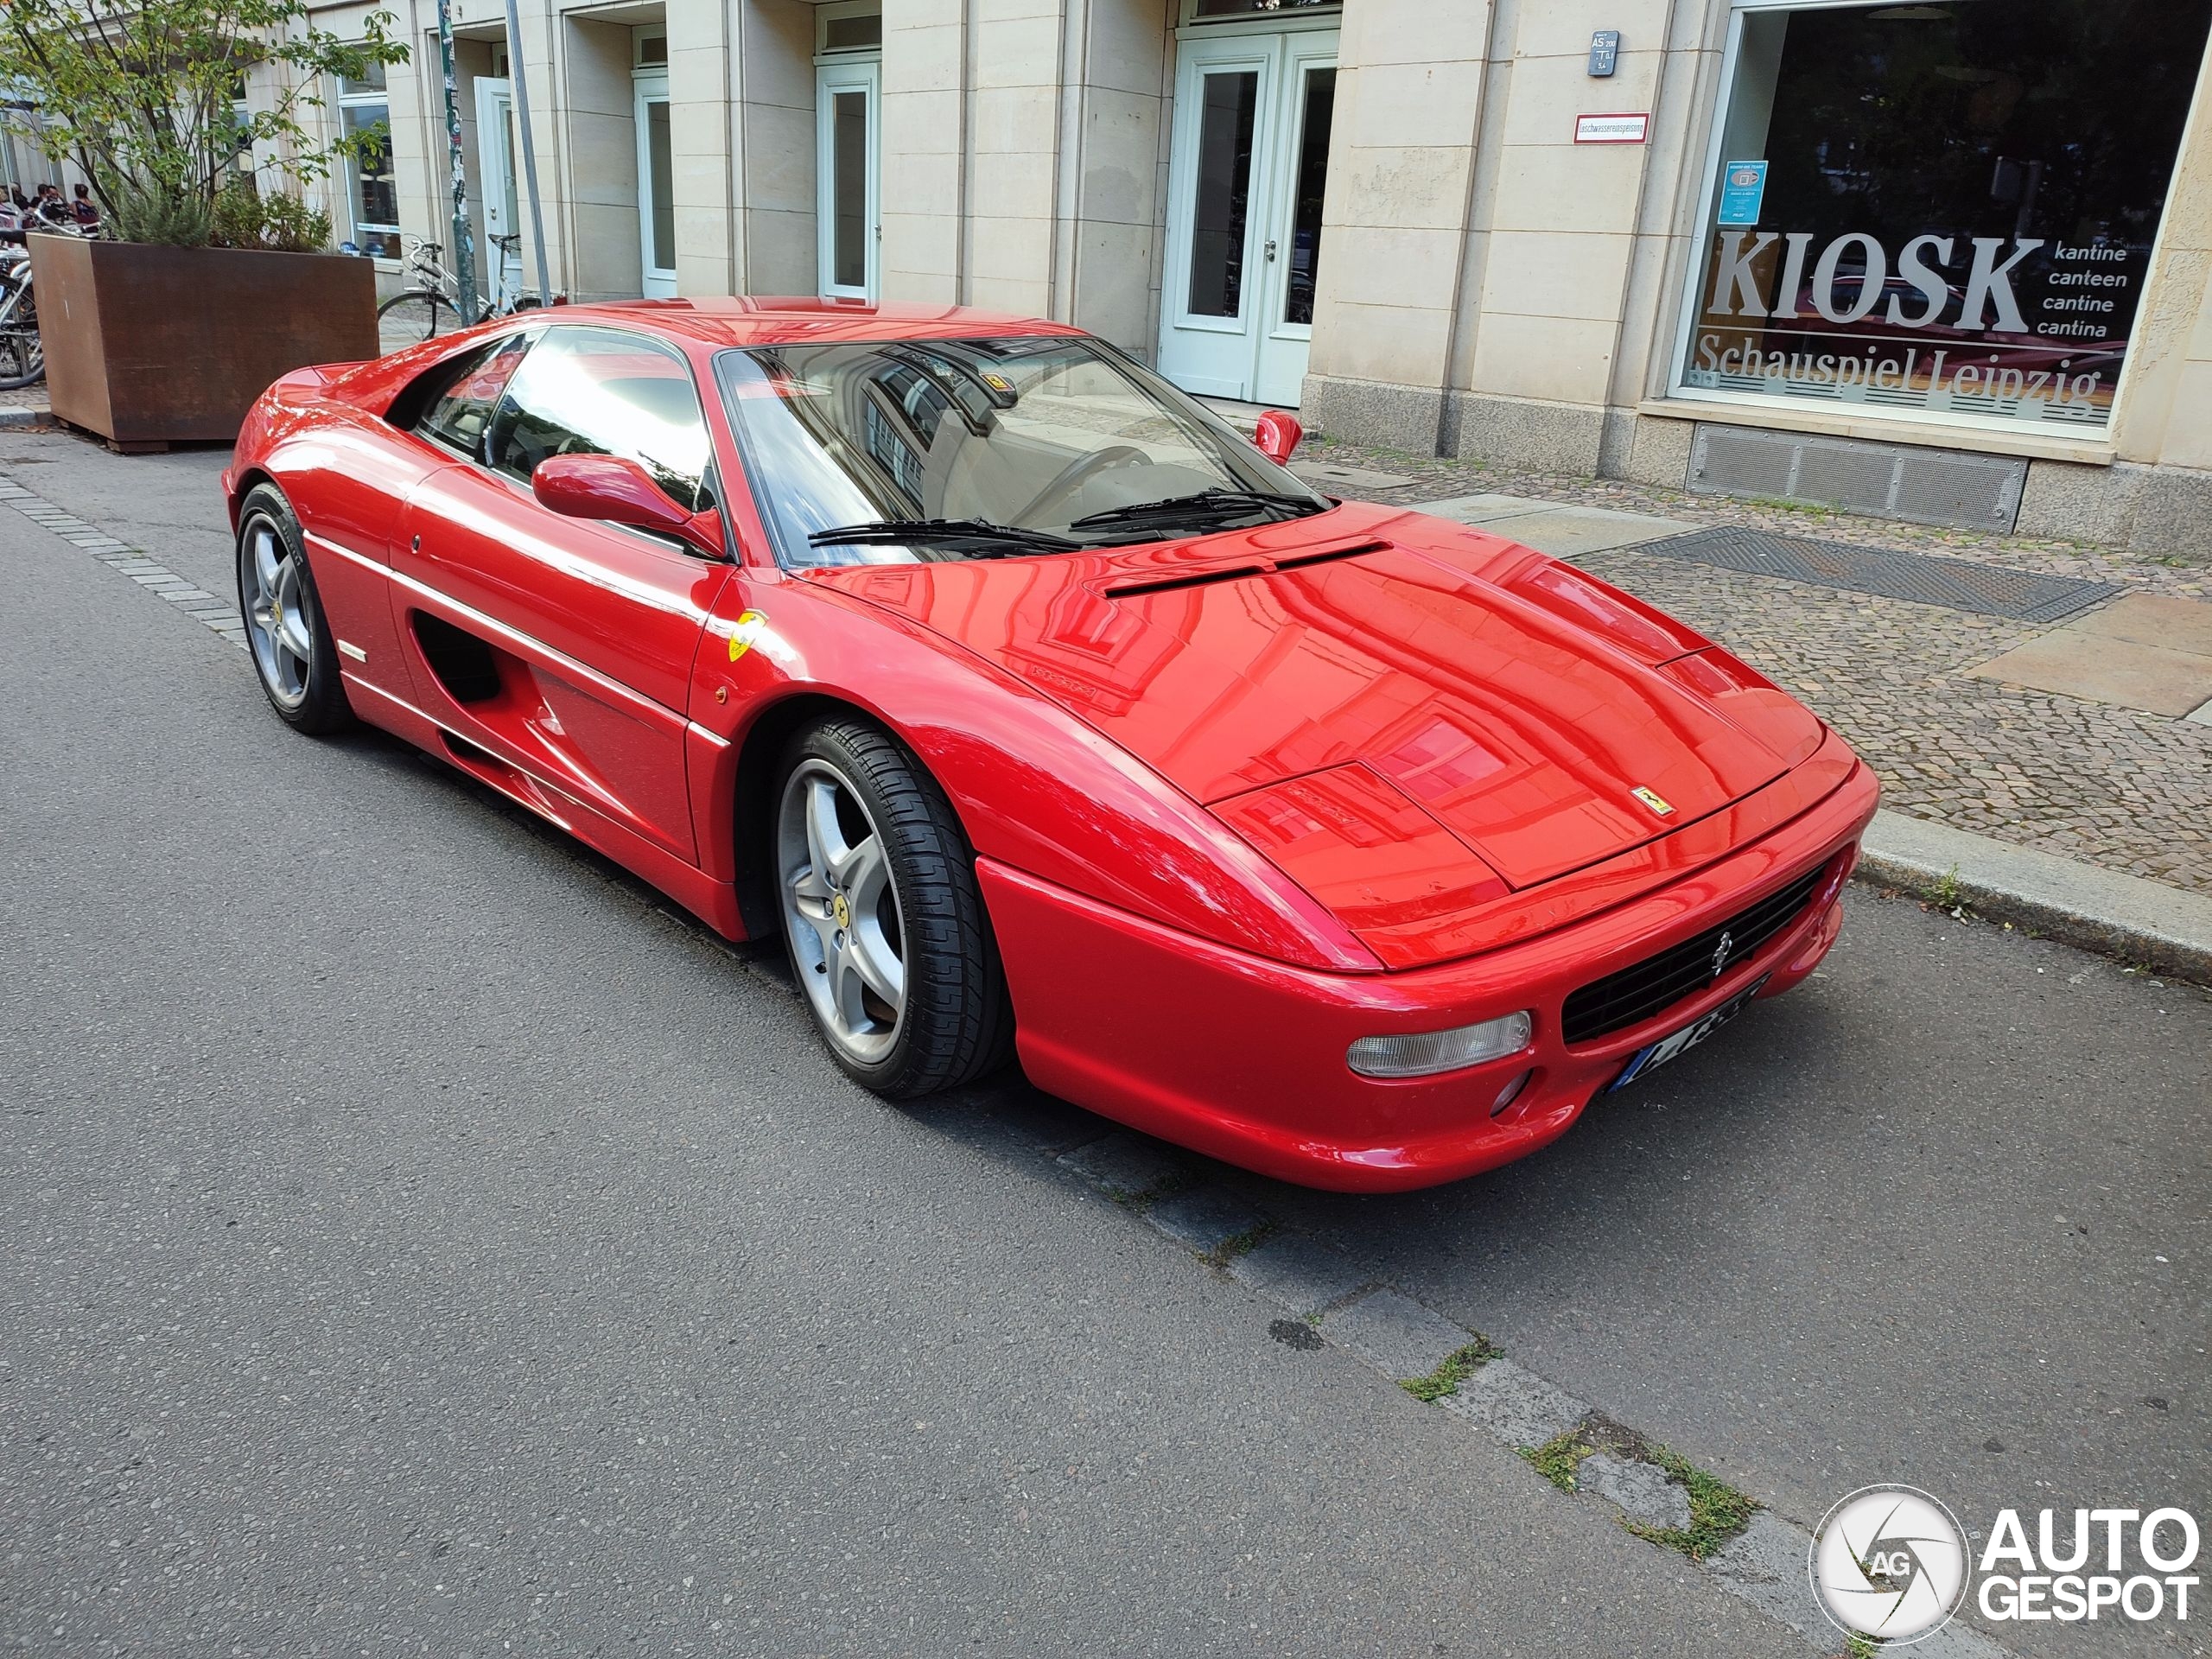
point(914, 451)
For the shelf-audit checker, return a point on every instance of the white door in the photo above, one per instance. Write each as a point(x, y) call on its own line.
point(848, 96)
point(1246, 185)
point(495, 168)
point(655, 187)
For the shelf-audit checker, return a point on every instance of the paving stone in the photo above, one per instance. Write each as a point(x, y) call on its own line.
point(2106, 669)
point(1487, 508)
point(1298, 1271)
point(1643, 1491)
point(1517, 1405)
point(1396, 1332)
point(1205, 1218)
point(1571, 532)
point(1328, 473)
point(1128, 1166)
point(1767, 1564)
point(2159, 620)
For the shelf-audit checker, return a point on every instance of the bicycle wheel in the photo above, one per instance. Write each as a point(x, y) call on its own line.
point(22, 359)
point(419, 314)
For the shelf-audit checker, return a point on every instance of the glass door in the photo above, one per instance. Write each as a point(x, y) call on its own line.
point(848, 95)
point(656, 187)
point(495, 169)
point(1246, 184)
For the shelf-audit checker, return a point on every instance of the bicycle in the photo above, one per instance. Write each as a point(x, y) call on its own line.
point(431, 303)
point(22, 354)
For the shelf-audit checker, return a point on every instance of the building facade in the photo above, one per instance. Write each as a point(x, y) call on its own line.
point(1948, 261)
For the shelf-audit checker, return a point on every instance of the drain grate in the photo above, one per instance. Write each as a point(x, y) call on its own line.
point(1956, 584)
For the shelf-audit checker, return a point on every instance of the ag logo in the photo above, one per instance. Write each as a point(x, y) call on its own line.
point(1890, 1562)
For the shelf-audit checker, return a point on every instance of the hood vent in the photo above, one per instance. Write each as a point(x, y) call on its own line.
point(1239, 572)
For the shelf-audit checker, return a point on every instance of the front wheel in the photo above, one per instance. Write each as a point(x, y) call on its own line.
point(885, 921)
point(294, 652)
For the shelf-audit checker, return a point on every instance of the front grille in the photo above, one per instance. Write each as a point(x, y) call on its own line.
point(1656, 983)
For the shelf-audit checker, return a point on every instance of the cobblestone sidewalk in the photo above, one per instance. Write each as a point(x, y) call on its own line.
point(2086, 780)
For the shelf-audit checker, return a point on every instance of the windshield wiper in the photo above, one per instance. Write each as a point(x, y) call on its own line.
point(1216, 503)
point(976, 535)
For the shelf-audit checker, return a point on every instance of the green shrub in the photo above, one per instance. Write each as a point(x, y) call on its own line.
point(139, 211)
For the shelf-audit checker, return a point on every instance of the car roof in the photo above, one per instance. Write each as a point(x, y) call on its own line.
point(791, 320)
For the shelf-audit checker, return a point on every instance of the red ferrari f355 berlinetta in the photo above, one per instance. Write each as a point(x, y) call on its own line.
point(1044, 715)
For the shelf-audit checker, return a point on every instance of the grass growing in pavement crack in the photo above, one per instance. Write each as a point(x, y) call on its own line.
point(1559, 1458)
point(1944, 894)
point(1718, 1510)
point(1456, 1369)
point(1238, 1244)
point(1861, 1647)
point(1166, 1187)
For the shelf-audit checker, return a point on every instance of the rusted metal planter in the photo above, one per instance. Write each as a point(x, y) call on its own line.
point(152, 346)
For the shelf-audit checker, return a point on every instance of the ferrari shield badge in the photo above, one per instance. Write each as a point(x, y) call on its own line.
point(1650, 798)
point(750, 626)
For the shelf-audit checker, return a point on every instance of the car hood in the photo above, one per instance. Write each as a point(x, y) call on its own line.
point(1440, 692)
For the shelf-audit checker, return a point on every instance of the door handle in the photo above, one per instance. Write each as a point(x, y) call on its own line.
point(1271, 250)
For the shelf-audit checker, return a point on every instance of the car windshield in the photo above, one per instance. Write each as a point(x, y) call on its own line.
point(900, 451)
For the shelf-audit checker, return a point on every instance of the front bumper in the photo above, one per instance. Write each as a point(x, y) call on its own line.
point(1244, 1057)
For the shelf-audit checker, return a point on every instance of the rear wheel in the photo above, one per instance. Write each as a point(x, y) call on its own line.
point(886, 925)
point(418, 314)
point(294, 653)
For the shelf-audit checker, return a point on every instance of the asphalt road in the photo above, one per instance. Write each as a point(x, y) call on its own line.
point(417, 1236)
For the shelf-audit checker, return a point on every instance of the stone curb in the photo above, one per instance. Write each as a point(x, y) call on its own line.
point(1332, 1297)
point(25, 417)
point(2163, 928)
point(212, 611)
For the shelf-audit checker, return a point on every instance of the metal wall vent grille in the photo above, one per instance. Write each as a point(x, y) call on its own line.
point(1887, 481)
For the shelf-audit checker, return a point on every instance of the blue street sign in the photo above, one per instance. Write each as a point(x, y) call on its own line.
point(1743, 188)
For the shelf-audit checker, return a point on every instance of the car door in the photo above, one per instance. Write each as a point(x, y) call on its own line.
point(563, 647)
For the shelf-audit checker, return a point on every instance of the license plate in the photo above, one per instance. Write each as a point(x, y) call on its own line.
point(1657, 1054)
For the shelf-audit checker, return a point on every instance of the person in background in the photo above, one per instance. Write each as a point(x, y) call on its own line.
point(52, 207)
point(86, 210)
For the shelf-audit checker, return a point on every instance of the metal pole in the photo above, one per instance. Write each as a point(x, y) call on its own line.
point(464, 246)
point(528, 151)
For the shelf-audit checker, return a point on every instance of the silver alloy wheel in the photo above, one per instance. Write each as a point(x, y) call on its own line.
point(840, 911)
point(276, 613)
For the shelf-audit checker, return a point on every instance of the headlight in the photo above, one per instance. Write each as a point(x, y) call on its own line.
point(1421, 1053)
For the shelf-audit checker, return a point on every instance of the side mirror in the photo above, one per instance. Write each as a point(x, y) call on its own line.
point(1278, 435)
point(614, 490)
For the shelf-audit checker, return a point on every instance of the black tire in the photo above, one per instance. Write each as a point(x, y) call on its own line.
point(958, 1022)
point(419, 314)
point(22, 359)
point(318, 705)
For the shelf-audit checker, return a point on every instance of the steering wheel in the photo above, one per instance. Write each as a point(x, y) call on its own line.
point(1079, 472)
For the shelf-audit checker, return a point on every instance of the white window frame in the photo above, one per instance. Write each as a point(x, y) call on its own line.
point(835, 72)
point(1291, 14)
point(837, 12)
point(366, 98)
point(1691, 303)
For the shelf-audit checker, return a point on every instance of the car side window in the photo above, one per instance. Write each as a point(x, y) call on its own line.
point(588, 391)
point(459, 417)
